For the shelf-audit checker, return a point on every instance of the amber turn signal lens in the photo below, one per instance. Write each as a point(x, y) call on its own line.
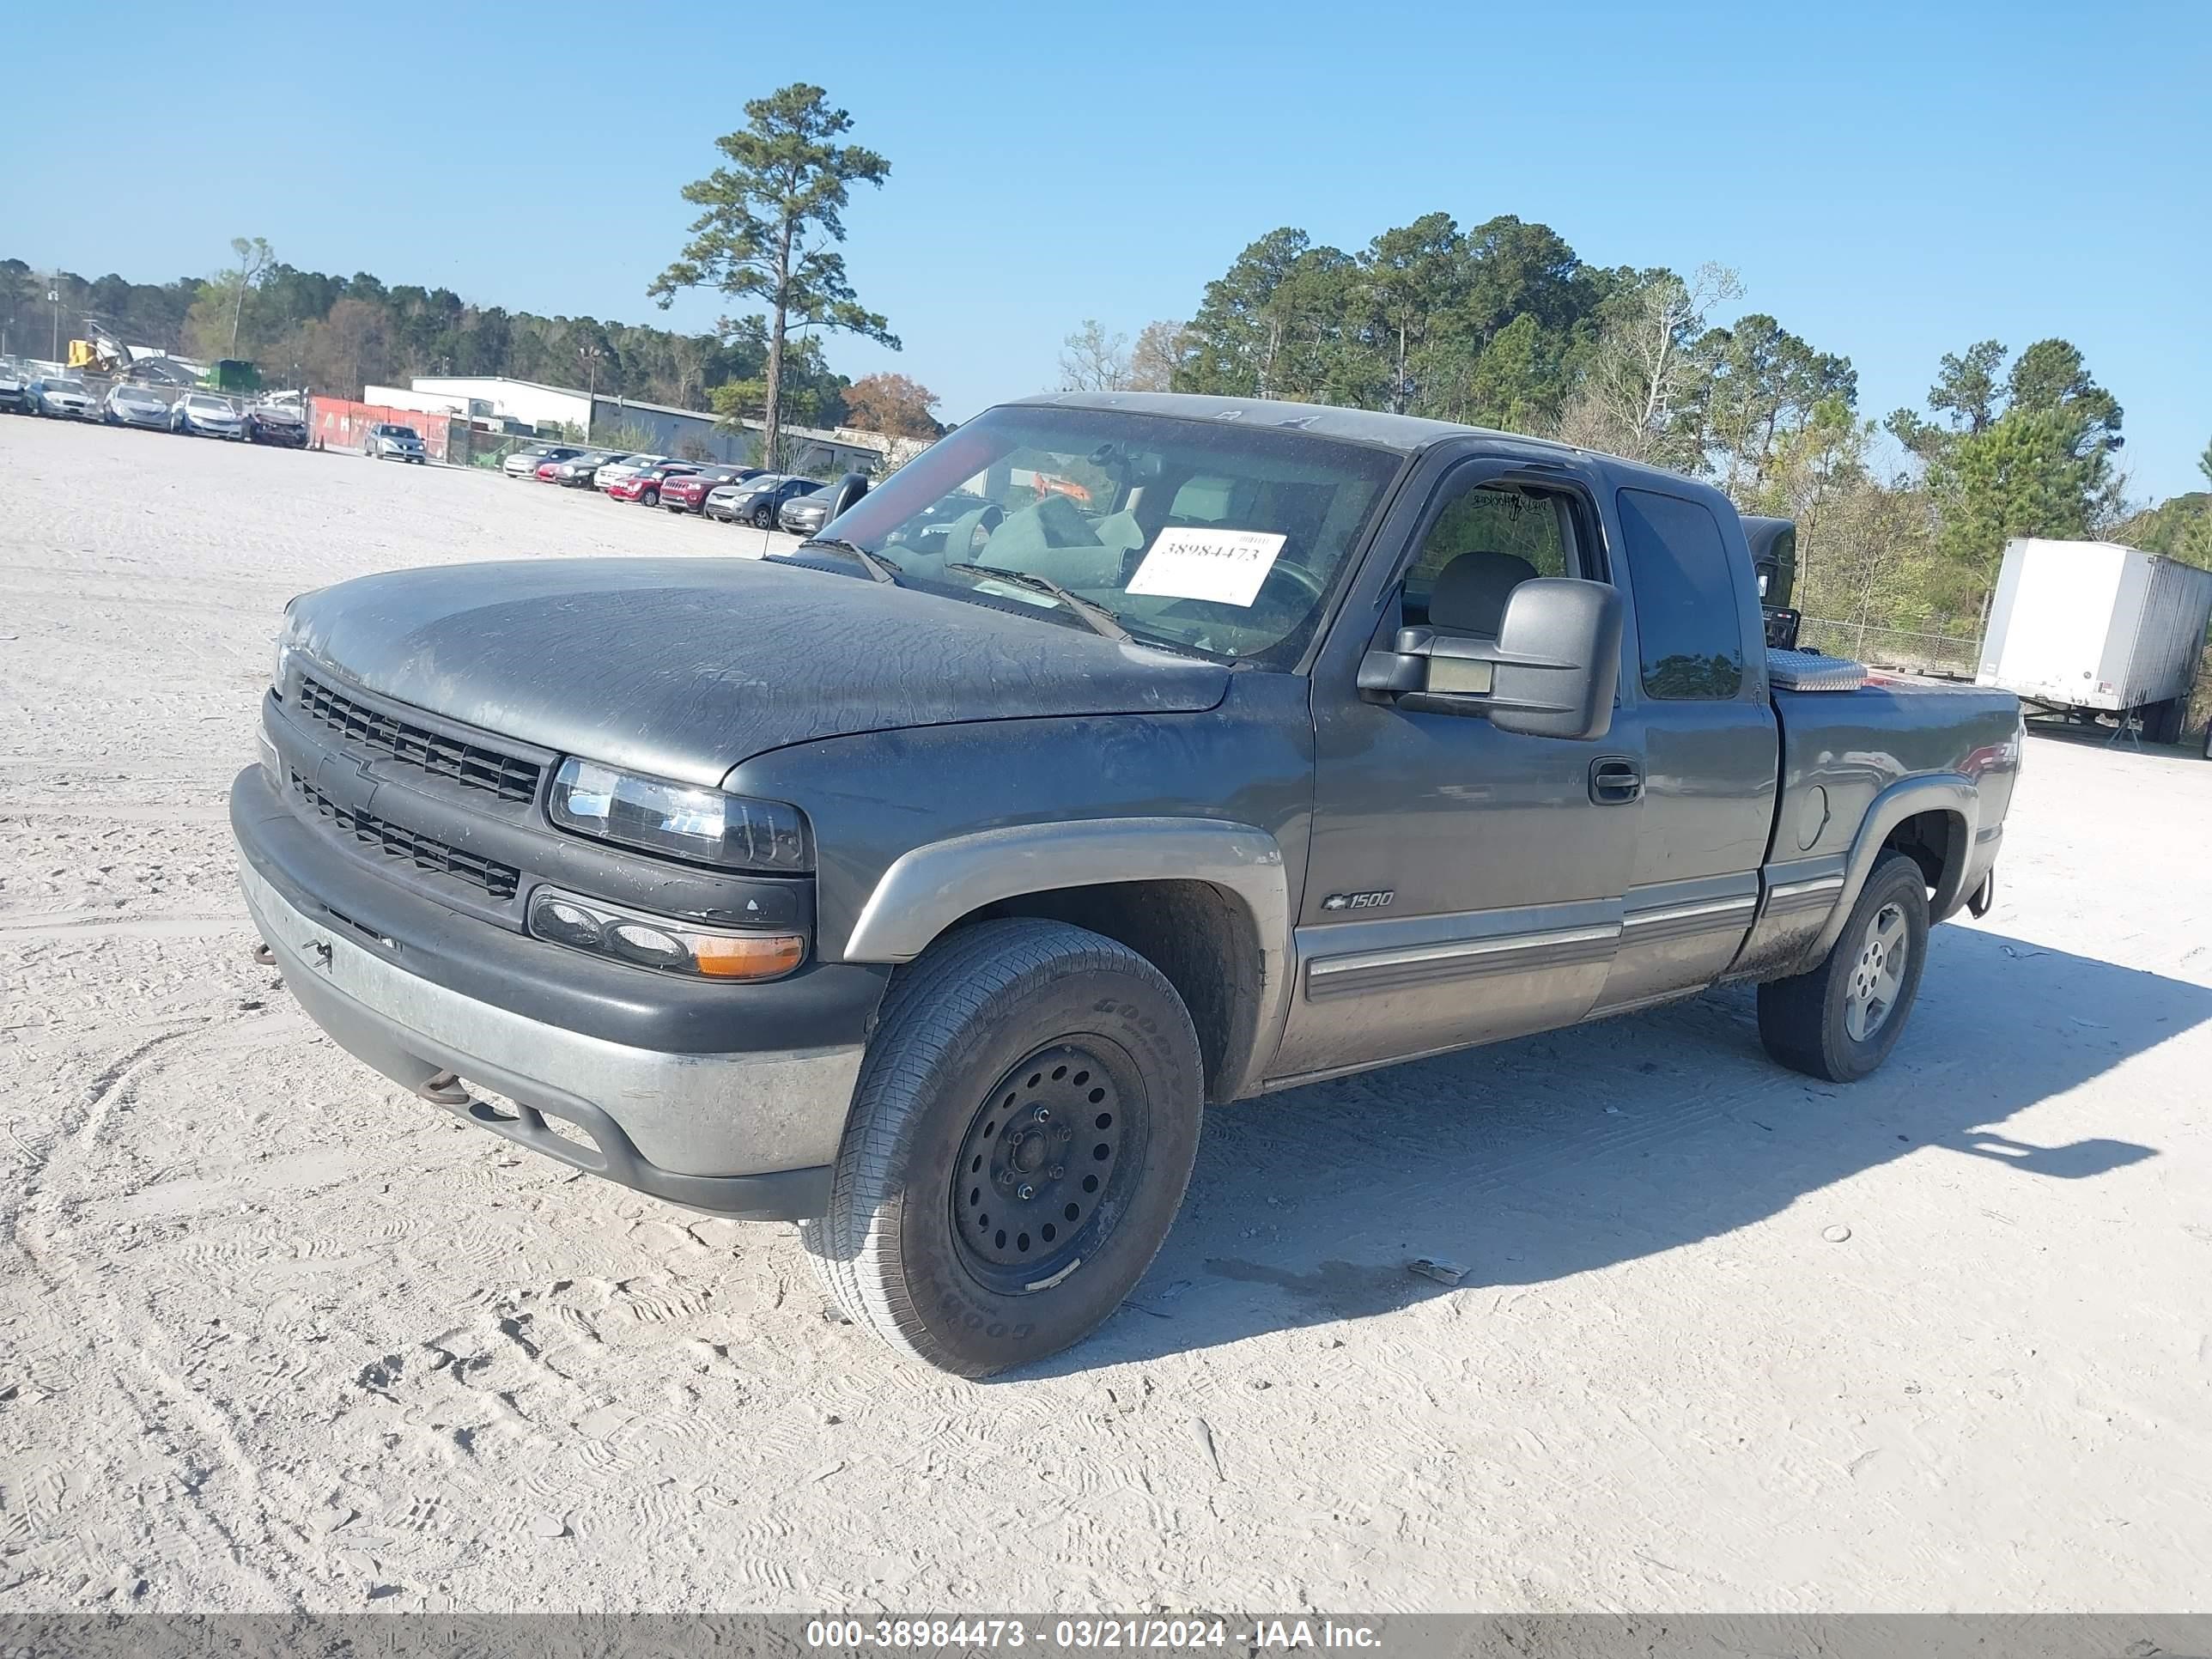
point(749, 955)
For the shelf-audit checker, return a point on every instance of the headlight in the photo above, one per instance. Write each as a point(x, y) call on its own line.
point(282, 665)
point(679, 819)
point(673, 947)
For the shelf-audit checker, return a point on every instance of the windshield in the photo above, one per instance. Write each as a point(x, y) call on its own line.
point(208, 405)
point(1205, 534)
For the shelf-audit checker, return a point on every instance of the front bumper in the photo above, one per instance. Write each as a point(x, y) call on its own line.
point(745, 1132)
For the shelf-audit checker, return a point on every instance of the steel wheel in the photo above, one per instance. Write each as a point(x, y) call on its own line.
point(1878, 977)
point(1043, 1173)
point(929, 1239)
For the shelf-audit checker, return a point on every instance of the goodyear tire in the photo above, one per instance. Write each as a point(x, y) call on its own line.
point(1841, 1021)
point(1019, 1144)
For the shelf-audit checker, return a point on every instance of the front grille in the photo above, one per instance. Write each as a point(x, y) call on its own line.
point(471, 765)
point(396, 841)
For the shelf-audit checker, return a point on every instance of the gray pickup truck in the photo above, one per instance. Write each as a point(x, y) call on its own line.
point(1119, 755)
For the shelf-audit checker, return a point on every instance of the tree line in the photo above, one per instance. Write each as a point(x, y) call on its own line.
point(337, 334)
point(1503, 325)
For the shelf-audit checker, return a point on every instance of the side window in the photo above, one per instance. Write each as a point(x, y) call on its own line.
point(1688, 632)
point(1491, 537)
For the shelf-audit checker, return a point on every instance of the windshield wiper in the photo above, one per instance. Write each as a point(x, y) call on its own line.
point(1102, 620)
point(878, 567)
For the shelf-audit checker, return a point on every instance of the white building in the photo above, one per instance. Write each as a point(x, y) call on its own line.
point(394, 397)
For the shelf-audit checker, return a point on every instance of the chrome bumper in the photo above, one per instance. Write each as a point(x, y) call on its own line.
point(747, 1134)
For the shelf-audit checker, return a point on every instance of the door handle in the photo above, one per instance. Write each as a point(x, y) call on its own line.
point(1615, 780)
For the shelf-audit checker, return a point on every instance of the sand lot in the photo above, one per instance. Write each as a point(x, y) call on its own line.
point(275, 1334)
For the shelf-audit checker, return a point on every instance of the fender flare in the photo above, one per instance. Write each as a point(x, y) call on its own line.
point(926, 889)
point(1944, 792)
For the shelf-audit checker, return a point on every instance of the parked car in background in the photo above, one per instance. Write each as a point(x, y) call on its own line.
point(389, 440)
point(524, 463)
point(623, 471)
point(15, 387)
point(756, 500)
point(688, 493)
point(578, 470)
point(277, 420)
point(804, 513)
point(64, 398)
point(644, 488)
point(134, 406)
point(204, 415)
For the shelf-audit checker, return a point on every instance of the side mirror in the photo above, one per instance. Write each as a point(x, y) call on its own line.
point(848, 489)
point(1552, 671)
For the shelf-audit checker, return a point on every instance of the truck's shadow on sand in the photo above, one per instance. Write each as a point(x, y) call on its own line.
point(1557, 1154)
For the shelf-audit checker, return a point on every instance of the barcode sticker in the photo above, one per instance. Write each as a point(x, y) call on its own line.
point(1225, 567)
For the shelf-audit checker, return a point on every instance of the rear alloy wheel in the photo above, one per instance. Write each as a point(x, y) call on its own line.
point(1839, 1021)
point(1018, 1145)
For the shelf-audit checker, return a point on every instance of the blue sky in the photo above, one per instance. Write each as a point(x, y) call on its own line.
point(1893, 182)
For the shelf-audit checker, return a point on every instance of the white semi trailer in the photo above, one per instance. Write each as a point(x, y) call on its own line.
point(2086, 628)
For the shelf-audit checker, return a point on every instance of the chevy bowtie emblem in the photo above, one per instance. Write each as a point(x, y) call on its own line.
point(1375, 900)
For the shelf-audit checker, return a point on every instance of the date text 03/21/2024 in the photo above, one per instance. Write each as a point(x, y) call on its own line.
point(1145, 1635)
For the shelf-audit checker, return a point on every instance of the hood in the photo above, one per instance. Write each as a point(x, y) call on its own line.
point(686, 668)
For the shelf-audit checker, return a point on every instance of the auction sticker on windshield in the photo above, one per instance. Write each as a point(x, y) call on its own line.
point(1192, 563)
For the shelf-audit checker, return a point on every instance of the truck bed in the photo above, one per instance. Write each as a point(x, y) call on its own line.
point(1840, 749)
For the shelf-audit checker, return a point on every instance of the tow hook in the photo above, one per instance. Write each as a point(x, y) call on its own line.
point(444, 1089)
point(263, 955)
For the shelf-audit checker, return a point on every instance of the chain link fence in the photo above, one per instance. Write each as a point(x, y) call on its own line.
point(1950, 655)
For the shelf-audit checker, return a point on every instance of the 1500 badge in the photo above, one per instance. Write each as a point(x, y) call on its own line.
point(1375, 900)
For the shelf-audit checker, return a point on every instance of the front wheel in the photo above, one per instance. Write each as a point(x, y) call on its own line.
point(1018, 1145)
point(1839, 1021)
point(762, 518)
point(650, 498)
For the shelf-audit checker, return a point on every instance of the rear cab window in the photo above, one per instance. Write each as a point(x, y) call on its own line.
point(1689, 637)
